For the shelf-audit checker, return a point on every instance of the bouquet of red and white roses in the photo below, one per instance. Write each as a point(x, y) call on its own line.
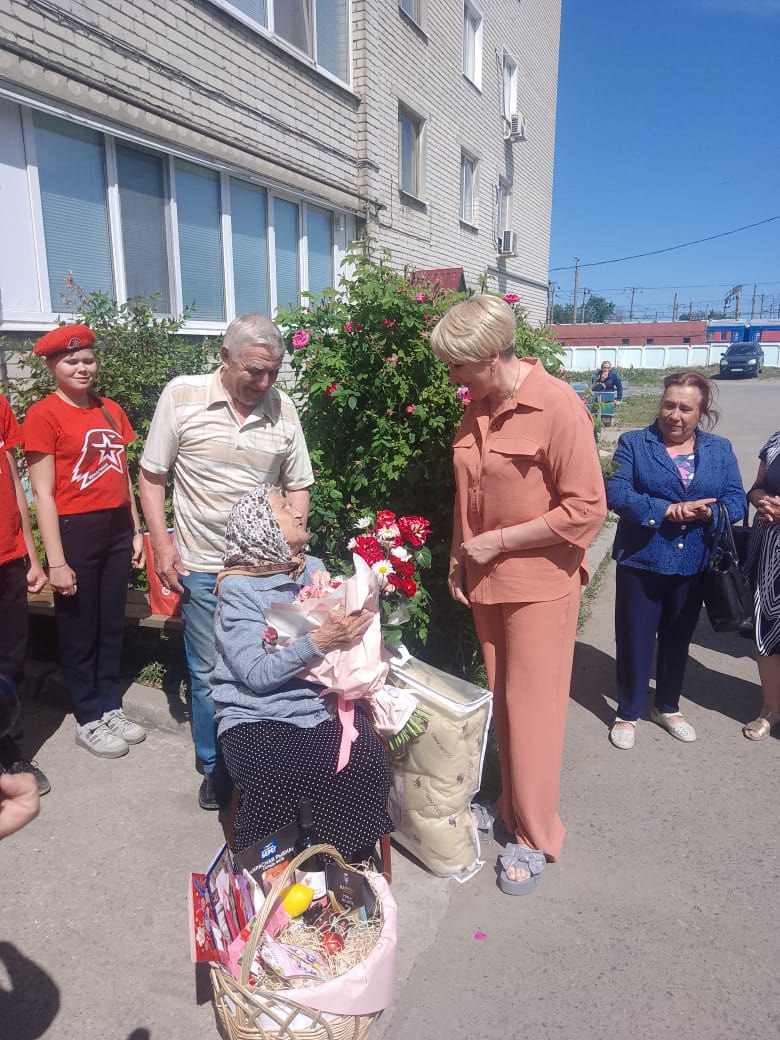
point(395, 550)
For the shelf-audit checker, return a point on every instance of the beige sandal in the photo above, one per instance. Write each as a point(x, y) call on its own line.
point(762, 726)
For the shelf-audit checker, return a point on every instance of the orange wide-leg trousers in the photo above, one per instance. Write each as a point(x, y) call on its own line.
point(528, 650)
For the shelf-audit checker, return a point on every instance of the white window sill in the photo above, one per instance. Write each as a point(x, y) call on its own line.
point(467, 225)
point(472, 83)
point(413, 23)
point(412, 200)
point(283, 45)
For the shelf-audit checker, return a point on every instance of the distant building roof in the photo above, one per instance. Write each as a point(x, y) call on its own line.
point(451, 278)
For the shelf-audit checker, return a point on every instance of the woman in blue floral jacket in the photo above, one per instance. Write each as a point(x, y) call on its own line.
point(672, 478)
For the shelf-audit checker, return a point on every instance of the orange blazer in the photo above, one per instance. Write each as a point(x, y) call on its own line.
point(536, 458)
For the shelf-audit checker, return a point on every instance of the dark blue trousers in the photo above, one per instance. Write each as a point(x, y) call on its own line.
point(650, 605)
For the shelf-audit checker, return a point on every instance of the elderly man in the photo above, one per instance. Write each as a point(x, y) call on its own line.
point(223, 434)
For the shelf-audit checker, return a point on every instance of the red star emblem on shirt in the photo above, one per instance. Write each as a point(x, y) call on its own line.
point(101, 452)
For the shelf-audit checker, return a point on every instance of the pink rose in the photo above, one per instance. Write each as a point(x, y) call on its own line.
point(391, 361)
point(388, 322)
point(270, 635)
point(421, 297)
point(463, 394)
point(411, 408)
point(330, 391)
point(512, 297)
point(349, 327)
point(300, 339)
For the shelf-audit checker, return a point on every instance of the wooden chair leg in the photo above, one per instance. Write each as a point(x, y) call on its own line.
point(385, 853)
point(231, 817)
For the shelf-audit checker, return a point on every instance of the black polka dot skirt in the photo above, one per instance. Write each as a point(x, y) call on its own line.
point(275, 764)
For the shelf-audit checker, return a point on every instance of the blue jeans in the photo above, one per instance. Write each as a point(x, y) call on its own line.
point(198, 615)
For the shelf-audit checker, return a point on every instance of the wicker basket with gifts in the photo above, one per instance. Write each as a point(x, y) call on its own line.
point(302, 947)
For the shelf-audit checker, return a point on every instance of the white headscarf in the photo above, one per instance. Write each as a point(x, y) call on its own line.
point(253, 537)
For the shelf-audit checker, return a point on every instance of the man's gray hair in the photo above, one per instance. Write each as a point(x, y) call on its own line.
point(253, 330)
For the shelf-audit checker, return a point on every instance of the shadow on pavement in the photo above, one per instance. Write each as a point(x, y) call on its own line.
point(31, 1005)
point(593, 680)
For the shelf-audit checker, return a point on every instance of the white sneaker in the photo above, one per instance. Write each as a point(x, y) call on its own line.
point(122, 727)
point(682, 730)
point(623, 738)
point(98, 738)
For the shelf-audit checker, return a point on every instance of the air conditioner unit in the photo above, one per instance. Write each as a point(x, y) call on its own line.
point(515, 127)
point(507, 243)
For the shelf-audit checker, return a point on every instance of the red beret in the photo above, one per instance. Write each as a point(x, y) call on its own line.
point(63, 339)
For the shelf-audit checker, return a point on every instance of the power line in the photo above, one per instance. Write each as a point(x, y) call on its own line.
point(670, 249)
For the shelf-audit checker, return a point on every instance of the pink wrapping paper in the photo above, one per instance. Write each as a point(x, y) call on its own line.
point(351, 672)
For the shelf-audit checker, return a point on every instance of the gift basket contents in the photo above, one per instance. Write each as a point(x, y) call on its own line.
point(301, 943)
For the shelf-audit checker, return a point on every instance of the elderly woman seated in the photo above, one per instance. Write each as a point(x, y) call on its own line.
point(279, 738)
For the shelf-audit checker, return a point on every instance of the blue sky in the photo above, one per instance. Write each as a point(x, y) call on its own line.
point(668, 130)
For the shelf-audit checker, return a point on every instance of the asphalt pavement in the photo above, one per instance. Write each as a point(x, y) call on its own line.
point(659, 920)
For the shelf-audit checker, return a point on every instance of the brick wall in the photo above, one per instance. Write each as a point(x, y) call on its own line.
point(422, 68)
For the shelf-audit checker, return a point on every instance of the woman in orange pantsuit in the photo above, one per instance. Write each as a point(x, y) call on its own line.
point(529, 499)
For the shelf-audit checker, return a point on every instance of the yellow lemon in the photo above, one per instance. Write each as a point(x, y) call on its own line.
point(297, 899)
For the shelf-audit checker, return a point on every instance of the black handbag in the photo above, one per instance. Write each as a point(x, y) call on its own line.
point(727, 595)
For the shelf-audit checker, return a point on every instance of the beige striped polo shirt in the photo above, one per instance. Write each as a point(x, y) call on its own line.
point(217, 458)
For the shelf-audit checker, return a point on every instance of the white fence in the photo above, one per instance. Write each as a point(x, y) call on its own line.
point(684, 355)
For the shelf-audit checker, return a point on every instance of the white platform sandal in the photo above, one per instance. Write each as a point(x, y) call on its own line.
point(682, 730)
point(623, 738)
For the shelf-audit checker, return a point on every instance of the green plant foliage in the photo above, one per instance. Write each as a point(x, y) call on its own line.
point(379, 416)
point(139, 352)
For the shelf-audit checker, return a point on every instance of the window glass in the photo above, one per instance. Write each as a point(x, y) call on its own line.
point(333, 36)
point(72, 178)
point(200, 242)
point(319, 235)
point(409, 133)
point(287, 258)
point(249, 220)
point(509, 87)
point(412, 8)
point(255, 9)
point(503, 207)
point(472, 44)
point(293, 22)
point(142, 206)
point(468, 168)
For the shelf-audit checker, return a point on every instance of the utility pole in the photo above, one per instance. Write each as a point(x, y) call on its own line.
point(633, 289)
point(690, 310)
point(576, 286)
point(585, 294)
point(551, 303)
point(674, 308)
point(761, 308)
point(753, 304)
point(737, 301)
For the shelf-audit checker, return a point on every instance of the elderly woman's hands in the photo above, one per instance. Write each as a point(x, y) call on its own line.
point(768, 507)
point(339, 627)
point(684, 512)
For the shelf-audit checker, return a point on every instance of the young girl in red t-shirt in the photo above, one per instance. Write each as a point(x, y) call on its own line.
point(20, 573)
point(75, 447)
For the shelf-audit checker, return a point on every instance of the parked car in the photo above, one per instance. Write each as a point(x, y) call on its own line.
point(744, 359)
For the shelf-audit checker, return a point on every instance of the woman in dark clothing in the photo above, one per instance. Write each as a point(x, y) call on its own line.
point(608, 379)
point(764, 567)
point(279, 738)
point(669, 482)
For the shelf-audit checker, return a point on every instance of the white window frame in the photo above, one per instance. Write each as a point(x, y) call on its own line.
point(270, 34)
point(344, 227)
point(471, 10)
point(416, 13)
point(467, 159)
point(419, 122)
point(509, 104)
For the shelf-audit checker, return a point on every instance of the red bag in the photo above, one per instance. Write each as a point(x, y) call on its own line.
point(161, 600)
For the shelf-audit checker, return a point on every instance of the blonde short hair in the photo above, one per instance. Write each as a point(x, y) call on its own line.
point(474, 329)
